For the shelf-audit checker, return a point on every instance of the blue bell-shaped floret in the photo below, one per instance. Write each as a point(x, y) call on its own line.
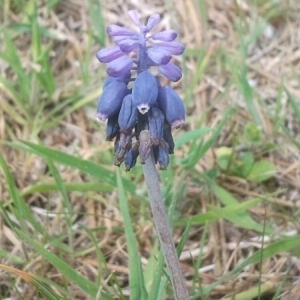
point(111, 99)
point(171, 105)
point(144, 91)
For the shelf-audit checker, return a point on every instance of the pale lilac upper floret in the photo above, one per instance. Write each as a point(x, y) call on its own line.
point(158, 53)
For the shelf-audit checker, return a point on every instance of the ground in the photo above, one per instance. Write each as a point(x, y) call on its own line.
point(234, 174)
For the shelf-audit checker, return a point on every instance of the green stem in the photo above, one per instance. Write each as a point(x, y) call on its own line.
point(163, 229)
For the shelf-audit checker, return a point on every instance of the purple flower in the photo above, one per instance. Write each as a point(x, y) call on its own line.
point(123, 78)
point(119, 66)
point(163, 155)
point(165, 36)
point(156, 120)
point(171, 105)
point(170, 71)
point(128, 114)
point(144, 91)
point(134, 17)
point(128, 41)
point(131, 156)
point(159, 56)
point(173, 47)
point(115, 30)
point(109, 54)
point(112, 127)
point(128, 45)
point(146, 112)
point(111, 99)
point(152, 21)
point(167, 136)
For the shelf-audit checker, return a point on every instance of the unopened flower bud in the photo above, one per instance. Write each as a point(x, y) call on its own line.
point(119, 66)
point(159, 55)
point(109, 54)
point(134, 17)
point(174, 48)
point(128, 45)
point(115, 30)
point(165, 36)
point(170, 71)
point(152, 21)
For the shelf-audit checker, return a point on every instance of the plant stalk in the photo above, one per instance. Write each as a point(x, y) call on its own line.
point(163, 229)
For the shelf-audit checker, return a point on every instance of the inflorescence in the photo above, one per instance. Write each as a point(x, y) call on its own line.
point(146, 112)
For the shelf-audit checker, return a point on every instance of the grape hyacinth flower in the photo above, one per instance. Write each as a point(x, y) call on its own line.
point(141, 113)
point(146, 106)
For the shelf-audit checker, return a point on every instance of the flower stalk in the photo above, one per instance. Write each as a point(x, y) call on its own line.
point(140, 119)
point(163, 229)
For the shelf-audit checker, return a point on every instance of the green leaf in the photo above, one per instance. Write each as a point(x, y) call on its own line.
point(66, 270)
point(241, 219)
point(247, 92)
point(294, 103)
point(136, 277)
point(85, 166)
point(20, 208)
point(12, 58)
point(12, 257)
point(98, 26)
point(190, 136)
point(286, 131)
point(253, 292)
point(45, 75)
point(203, 57)
point(197, 150)
point(65, 198)
point(214, 214)
point(69, 186)
point(261, 171)
point(247, 160)
point(42, 288)
point(158, 281)
point(283, 245)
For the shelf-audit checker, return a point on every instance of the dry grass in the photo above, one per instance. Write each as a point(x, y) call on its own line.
point(272, 60)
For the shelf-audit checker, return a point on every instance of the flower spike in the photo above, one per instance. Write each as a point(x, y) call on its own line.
point(141, 118)
point(147, 112)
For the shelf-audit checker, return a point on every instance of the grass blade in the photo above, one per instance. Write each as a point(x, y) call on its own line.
point(87, 286)
point(85, 166)
point(40, 286)
point(198, 150)
point(136, 277)
point(20, 209)
point(283, 245)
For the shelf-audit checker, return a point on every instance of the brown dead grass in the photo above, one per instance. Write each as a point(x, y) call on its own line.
point(275, 58)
